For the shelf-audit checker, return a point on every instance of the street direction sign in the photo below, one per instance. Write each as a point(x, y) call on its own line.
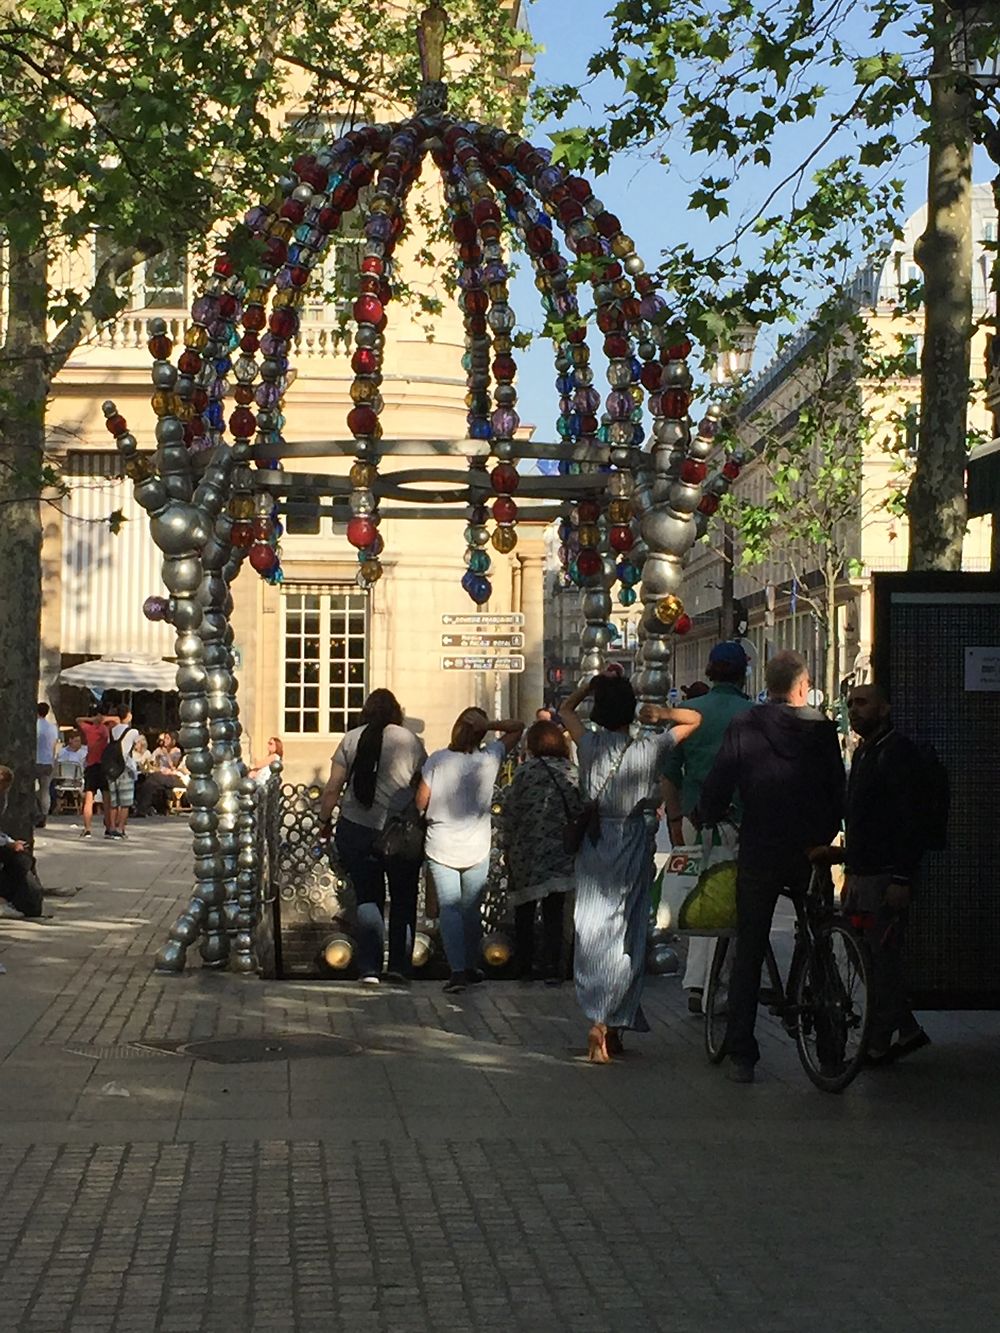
point(484, 642)
point(461, 663)
point(483, 619)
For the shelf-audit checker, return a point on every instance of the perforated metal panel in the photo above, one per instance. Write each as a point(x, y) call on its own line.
point(923, 625)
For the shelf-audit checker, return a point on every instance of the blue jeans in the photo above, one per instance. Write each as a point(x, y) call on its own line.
point(460, 897)
point(368, 872)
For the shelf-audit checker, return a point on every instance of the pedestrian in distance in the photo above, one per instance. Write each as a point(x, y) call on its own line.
point(614, 863)
point(456, 793)
point(683, 773)
point(542, 799)
point(95, 729)
point(373, 771)
point(18, 897)
point(119, 770)
point(886, 832)
point(782, 760)
point(46, 744)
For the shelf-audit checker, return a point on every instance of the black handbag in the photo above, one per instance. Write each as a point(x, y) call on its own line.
point(402, 836)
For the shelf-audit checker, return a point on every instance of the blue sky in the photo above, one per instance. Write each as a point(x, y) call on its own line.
point(650, 200)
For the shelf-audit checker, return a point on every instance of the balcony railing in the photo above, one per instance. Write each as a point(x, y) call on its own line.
point(130, 332)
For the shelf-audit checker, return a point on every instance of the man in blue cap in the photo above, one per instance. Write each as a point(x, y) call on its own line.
point(685, 769)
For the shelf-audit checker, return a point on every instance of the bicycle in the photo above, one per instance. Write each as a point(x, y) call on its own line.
point(824, 1005)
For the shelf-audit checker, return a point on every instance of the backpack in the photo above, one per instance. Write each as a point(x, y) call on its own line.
point(113, 760)
point(934, 798)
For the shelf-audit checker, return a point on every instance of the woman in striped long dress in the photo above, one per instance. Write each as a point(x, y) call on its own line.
point(614, 873)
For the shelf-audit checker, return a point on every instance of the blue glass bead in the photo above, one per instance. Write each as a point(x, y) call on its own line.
point(565, 529)
point(613, 631)
point(638, 435)
point(603, 435)
point(562, 428)
point(564, 467)
point(627, 596)
point(479, 562)
point(573, 571)
point(574, 423)
point(636, 366)
point(215, 415)
point(479, 429)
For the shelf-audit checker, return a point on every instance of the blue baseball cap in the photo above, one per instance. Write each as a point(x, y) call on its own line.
point(729, 654)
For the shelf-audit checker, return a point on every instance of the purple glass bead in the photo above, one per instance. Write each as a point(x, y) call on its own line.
point(203, 310)
point(218, 388)
point(283, 280)
point(650, 306)
point(586, 400)
point(272, 345)
point(257, 217)
point(565, 406)
point(565, 304)
point(619, 405)
point(505, 422)
point(708, 428)
point(155, 608)
point(378, 227)
point(497, 272)
point(267, 395)
point(470, 277)
point(547, 179)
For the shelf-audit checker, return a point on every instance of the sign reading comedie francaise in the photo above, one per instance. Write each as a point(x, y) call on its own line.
point(483, 619)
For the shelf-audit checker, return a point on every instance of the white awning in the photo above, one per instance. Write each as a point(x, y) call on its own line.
point(120, 672)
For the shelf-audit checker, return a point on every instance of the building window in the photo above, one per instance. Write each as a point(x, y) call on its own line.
point(326, 658)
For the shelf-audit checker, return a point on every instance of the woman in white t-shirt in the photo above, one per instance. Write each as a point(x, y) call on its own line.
point(373, 771)
point(456, 791)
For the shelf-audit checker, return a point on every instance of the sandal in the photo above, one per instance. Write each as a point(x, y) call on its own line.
point(597, 1048)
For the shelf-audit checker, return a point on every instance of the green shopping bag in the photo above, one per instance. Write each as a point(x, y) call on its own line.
point(711, 904)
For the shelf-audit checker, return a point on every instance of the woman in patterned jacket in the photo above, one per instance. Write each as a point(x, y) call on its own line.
point(540, 801)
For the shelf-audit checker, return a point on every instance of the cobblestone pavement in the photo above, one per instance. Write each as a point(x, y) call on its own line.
point(451, 1165)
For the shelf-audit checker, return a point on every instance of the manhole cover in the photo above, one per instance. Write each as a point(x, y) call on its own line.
point(258, 1050)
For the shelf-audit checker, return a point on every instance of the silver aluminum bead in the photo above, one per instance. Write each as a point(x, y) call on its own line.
point(182, 576)
point(676, 375)
point(164, 375)
point(684, 498)
point(661, 574)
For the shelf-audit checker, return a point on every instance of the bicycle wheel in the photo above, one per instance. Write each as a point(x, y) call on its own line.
point(717, 999)
point(832, 1003)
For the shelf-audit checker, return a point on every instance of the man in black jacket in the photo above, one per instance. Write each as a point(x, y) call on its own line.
point(883, 843)
point(783, 758)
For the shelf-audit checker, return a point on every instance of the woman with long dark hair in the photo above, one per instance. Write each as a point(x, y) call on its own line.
point(372, 774)
point(615, 869)
point(456, 791)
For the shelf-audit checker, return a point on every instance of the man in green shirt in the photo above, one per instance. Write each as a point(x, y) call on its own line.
point(684, 771)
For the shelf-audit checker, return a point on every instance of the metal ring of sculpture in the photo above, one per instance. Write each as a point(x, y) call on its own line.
point(651, 498)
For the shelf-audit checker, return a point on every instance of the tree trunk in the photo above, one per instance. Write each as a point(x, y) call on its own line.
point(831, 646)
point(936, 498)
point(23, 393)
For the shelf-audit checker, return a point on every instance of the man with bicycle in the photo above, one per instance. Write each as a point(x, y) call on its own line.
point(782, 758)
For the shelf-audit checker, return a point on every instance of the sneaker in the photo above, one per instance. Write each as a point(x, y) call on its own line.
point(455, 984)
point(473, 976)
point(695, 1001)
point(739, 1071)
point(110, 833)
point(86, 833)
point(371, 980)
point(8, 912)
point(396, 979)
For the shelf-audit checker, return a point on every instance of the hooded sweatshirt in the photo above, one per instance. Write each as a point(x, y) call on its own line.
point(785, 765)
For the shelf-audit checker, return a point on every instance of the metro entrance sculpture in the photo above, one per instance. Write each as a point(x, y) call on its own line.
point(631, 503)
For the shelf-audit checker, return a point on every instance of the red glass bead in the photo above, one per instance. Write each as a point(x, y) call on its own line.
point(630, 309)
point(477, 324)
point(504, 479)
point(364, 361)
point(243, 394)
point(731, 470)
point(504, 509)
point(263, 558)
point(683, 624)
point(651, 374)
point(607, 224)
point(679, 350)
point(360, 174)
point(242, 423)
point(242, 535)
point(578, 188)
point(569, 211)
point(254, 318)
point(361, 420)
point(262, 528)
point(538, 239)
point(463, 228)
point(621, 538)
point(589, 511)
point(588, 245)
point(588, 424)
point(293, 209)
point(328, 219)
point(674, 402)
point(504, 368)
point(693, 471)
point(475, 301)
point(298, 276)
point(275, 252)
point(615, 346)
point(368, 309)
point(249, 343)
point(609, 317)
point(588, 562)
point(189, 363)
point(372, 264)
point(283, 322)
point(303, 162)
point(160, 347)
point(224, 266)
point(199, 399)
point(361, 532)
point(344, 197)
point(709, 505)
point(116, 425)
point(577, 334)
point(227, 306)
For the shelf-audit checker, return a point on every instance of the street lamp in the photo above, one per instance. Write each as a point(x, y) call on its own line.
point(731, 366)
